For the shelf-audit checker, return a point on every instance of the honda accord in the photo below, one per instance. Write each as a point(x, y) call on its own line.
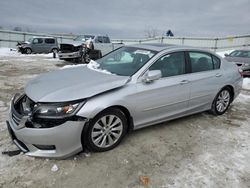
point(94, 106)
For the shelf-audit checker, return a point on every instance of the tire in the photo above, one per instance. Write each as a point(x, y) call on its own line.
point(54, 50)
point(95, 54)
point(28, 51)
point(99, 136)
point(222, 101)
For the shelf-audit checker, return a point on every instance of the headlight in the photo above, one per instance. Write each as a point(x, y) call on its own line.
point(57, 111)
point(246, 64)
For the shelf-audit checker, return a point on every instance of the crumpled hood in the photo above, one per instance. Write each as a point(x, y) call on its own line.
point(72, 84)
point(23, 43)
point(74, 43)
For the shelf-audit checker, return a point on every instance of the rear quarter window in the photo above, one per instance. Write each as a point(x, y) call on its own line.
point(216, 62)
point(50, 41)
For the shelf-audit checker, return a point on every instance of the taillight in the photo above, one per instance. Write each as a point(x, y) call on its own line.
point(241, 72)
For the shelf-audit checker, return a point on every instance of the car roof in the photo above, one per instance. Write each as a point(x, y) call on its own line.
point(160, 46)
point(44, 37)
point(154, 46)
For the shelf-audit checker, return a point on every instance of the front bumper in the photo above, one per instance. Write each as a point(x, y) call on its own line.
point(61, 141)
point(71, 55)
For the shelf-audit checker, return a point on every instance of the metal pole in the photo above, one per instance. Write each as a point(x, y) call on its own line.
point(215, 45)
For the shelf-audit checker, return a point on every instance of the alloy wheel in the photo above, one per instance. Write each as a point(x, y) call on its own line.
point(107, 131)
point(223, 101)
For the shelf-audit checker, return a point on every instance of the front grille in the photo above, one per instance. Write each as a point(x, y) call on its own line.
point(68, 48)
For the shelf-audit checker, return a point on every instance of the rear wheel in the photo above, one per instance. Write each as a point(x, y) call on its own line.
point(54, 50)
point(222, 101)
point(106, 130)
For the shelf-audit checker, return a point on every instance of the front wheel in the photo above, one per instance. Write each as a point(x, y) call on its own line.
point(28, 51)
point(106, 130)
point(222, 102)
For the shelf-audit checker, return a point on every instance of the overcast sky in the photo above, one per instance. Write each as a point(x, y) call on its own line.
point(129, 18)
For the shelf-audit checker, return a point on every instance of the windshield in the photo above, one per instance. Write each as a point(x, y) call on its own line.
point(125, 61)
point(84, 37)
point(240, 53)
point(30, 40)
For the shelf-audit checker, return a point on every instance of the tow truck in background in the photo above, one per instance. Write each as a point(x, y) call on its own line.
point(86, 47)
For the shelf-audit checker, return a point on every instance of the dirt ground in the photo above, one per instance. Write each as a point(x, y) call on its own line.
point(196, 151)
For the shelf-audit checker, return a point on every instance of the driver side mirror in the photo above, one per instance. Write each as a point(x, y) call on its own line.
point(226, 54)
point(151, 76)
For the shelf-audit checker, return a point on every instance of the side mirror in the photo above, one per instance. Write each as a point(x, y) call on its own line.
point(152, 75)
point(226, 54)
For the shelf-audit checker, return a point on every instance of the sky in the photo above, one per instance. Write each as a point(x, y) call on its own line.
point(129, 18)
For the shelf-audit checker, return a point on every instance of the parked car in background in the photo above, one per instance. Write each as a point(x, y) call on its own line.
point(130, 88)
point(38, 45)
point(242, 59)
point(93, 46)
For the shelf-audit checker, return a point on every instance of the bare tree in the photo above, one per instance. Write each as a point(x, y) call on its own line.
point(151, 32)
point(17, 28)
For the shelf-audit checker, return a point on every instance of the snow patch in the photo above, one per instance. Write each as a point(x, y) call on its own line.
point(93, 65)
point(73, 66)
point(7, 52)
point(243, 98)
point(246, 84)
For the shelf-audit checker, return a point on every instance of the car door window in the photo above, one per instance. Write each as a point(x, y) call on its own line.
point(171, 64)
point(37, 41)
point(99, 39)
point(201, 61)
point(216, 62)
point(106, 40)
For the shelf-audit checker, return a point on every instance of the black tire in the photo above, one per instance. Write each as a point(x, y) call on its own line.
point(215, 110)
point(91, 130)
point(28, 50)
point(91, 46)
point(54, 50)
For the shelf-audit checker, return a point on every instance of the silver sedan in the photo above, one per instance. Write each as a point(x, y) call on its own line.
point(95, 106)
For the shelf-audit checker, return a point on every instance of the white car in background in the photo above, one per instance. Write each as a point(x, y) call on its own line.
point(94, 46)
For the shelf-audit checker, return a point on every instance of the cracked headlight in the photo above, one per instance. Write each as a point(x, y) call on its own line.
point(57, 110)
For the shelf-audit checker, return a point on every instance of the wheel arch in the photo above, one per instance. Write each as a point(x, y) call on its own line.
point(231, 88)
point(123, 109)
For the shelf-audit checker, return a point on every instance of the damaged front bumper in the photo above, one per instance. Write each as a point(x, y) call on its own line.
point(60, 141)
point(70, 55)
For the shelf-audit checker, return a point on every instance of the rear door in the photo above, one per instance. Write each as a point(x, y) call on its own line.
point(49, 44)
point(205, 78)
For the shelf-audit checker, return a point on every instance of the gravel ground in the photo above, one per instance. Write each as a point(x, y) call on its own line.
point(196, 151)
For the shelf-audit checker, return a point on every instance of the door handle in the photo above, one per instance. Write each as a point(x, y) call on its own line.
point(218, 75)
point(184, 82)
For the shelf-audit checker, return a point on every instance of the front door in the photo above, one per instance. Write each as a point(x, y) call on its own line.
point(167, 97)
point(37, 45)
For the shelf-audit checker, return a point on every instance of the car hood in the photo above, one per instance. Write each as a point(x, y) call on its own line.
point(72, 84)
point(23, 43)
point(238, 59)
point(74, 43)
